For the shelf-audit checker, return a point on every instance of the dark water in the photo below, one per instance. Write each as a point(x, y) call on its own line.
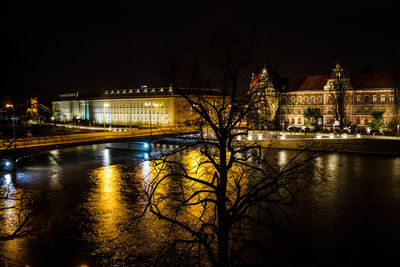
point(352, 218)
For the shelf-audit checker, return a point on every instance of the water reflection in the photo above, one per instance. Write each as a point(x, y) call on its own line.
point(101, 192)
point(105, 204)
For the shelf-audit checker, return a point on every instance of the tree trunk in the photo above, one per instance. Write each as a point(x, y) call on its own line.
point(223, 216)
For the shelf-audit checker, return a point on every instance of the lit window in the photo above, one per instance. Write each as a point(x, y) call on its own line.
point(383, 98)
point(320, 99)
point(299, 100)
point(383, 109)
point(306, 100)
point(374, 109)
point(293, 100)
point(299, 110)
point(299, 121)
point(313, 99)
point(366, 110)
point(391, 98)
point(374, 98)
point(358, 98)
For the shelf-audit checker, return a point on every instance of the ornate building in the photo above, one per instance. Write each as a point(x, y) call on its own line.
point(338, 99)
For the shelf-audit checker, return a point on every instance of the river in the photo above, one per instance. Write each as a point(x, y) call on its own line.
point(351, 218)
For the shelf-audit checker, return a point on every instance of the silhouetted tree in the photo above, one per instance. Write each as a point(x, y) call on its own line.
point(225, 185)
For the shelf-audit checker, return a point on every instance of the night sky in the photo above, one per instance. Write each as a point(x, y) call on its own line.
point(65, 46)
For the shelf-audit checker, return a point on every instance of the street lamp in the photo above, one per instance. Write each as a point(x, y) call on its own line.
point(106, 105)
point(157, 105)
point(149, 104)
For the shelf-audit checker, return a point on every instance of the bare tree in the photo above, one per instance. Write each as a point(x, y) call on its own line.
point(339, 86)
point(24, 212)
point(222, 185)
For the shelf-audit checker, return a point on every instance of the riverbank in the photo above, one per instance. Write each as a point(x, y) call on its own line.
point(389, 146)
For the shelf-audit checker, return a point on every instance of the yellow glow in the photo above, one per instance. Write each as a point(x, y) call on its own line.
point(106, 105)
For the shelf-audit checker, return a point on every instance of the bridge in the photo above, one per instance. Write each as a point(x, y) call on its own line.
point(15, 149)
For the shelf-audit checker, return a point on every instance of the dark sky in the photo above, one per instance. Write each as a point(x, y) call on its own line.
point(59, 46)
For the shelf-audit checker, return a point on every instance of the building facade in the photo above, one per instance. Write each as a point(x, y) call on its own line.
point(127, 107)
point(361, 96)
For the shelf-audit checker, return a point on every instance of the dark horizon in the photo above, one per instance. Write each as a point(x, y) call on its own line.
point(56, 47)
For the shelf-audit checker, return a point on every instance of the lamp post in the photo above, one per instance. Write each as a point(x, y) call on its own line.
point(149, 104)
point(106, 105)
point(157, 105)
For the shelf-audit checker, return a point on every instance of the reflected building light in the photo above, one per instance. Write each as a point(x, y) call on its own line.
point(106, 157)
point(7, 178)
point(282, 158)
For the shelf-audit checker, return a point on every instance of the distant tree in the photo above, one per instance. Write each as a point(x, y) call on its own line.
point(313, 114)
point(265, 83)
point(339, 85)
point(377, 123)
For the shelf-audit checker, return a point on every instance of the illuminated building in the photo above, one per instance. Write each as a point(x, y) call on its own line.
point(127, 107)
point(365, 93)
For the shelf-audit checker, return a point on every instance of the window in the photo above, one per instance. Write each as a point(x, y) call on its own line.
point(358, 110)
point(366, 99)
point(320, 99)
point(330, 99)
point(374, 109)
point(299, 110)
point(292, 110)
point(358, 98)
point(391, 98)
point(383, 98)
point(366, 122)
point(374, 98)
point(306, 100)
point(329, 110)
point(293, 121)
point(358, 121)
point(299, 121)
point(313, 99)
point(383, 109)
point(390, 110)
point(299, 100)
point(293, 100)
point(366, 110)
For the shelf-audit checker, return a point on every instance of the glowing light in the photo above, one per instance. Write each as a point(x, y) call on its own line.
point(318, 136)
point(239, 138)
point(358, 135)
point(260, 137)
point(8, 178)
point(146, 145)
point(283, 137)
point(8, 163)
point(331, 136)
point(249, 137)
point(344, 135)
point(106, 105)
